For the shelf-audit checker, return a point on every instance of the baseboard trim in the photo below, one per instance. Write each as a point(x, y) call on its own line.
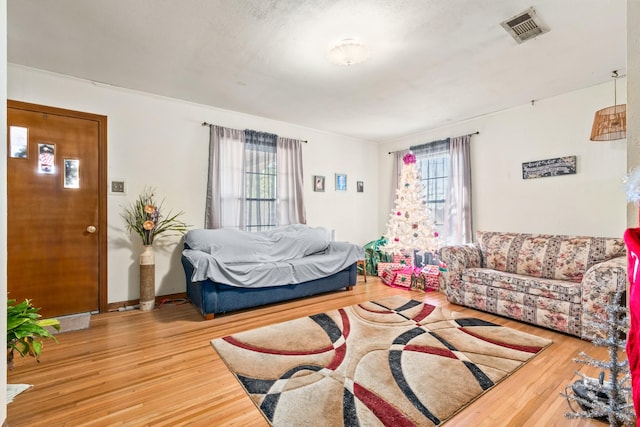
point(115, 306)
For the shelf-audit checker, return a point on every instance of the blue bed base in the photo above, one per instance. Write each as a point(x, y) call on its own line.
point(213, 298)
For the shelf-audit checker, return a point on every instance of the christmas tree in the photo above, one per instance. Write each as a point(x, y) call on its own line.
point(606, 400)
point(410, 227)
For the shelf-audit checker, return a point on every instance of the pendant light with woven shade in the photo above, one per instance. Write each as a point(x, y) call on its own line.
point(610, 123)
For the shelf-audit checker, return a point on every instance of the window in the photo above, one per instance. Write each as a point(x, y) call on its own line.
point(434, 175)
point(433, 161)
point(260, 186)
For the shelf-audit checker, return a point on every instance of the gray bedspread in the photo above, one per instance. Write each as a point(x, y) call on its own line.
point(285, 255)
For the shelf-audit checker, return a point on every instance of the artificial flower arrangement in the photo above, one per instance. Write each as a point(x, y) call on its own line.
point(145, 219)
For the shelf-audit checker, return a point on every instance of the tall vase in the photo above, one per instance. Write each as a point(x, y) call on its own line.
point(147, 278)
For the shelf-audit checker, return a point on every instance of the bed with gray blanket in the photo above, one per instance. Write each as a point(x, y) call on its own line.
point(231, 269)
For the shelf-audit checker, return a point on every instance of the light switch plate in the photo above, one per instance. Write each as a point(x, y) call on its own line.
point(118, 187)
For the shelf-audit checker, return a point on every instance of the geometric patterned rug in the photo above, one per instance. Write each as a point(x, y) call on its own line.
point(392, 362)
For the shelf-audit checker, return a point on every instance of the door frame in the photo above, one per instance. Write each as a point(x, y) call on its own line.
point(102, 185)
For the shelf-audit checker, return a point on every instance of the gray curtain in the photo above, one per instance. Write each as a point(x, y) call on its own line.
point(457, 223)
point(290, 189)
point(225, 186)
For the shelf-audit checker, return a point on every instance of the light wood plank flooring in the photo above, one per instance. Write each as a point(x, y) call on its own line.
point(157, 368)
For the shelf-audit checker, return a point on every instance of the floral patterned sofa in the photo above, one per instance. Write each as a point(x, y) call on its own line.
point(558, 282)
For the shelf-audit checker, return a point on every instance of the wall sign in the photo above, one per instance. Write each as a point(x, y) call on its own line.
point(549, 167)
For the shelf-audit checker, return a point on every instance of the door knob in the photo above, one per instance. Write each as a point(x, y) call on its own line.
point(91, 229)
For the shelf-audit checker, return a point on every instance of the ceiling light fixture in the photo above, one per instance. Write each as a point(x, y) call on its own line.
point(348, 52)
point(610, 123)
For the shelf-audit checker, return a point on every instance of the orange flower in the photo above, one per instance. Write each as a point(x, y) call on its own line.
point(149, 209)
point(148, 225)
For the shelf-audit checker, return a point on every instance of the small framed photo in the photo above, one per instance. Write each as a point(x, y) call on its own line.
point(360, 186)
point(341, 182)
point(18, 139)
point(71, 173)
point(46, 158)
point(318, 183)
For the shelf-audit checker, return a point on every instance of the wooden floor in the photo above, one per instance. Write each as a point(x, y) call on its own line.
point(158, 368)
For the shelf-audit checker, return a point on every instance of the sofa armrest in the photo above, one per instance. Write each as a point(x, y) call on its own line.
point(599, 284)
point(457, 259)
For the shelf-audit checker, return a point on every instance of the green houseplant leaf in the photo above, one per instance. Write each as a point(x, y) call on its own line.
point(26, 330)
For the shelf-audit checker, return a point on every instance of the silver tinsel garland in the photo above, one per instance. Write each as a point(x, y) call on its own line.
point(606, 400)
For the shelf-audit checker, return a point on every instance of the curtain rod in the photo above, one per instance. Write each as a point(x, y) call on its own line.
point(469, 134)
point(211, 124)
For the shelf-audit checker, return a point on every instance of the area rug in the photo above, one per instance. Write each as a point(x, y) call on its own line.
point(391, 362)
point(15, 389)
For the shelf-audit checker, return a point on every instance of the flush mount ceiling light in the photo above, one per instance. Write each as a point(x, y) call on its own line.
point(610, 123)
point(348, 52)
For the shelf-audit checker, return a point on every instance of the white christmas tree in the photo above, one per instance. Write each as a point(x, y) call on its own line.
point(410, 227)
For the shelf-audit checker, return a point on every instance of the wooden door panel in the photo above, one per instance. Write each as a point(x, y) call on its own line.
point(52, 258)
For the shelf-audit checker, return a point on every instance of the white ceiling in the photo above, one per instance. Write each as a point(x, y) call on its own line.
point(432, 62)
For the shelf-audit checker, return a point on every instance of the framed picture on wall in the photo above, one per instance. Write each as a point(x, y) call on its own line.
point(360, 186)
point(71, 173)
point(18, 137)
point(46, 158)
point(318, 183)
point(341, 182)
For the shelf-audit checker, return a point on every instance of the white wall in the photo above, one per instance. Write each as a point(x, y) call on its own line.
point(156, 141)
point(633, 95)
point(591, 202)
point(3, 204)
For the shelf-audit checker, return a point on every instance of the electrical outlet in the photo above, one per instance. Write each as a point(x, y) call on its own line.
point(117, 186)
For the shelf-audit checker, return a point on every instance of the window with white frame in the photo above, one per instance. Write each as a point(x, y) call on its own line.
point(433, 163)
point(434, 175)
point(260, 186)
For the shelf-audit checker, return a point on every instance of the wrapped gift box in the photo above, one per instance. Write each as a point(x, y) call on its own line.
point(406, 260)
point(428, 278)
point(389, 265)
point(403, 277)
point(387, 275)
point(399, 278)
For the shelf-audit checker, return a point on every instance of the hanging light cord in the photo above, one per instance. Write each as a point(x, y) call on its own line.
point(615, 87)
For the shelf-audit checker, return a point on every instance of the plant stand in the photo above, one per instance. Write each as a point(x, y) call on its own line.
point(147, 278)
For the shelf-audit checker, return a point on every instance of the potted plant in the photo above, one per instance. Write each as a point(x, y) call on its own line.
point(145, 219)
point(26, 330)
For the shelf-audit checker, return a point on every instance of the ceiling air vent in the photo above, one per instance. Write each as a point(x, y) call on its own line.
point(524, 26)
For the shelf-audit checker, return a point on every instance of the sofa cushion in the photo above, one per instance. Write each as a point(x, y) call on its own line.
point(561, 290)
point(546, 256)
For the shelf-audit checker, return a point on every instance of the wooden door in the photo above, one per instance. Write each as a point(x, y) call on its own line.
point(56, 208)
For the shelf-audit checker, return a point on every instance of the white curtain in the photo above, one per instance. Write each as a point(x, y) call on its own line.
point(225, 190)
point(290, 185)
point(395, 174)
point(226, 205)
point(457, 222)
